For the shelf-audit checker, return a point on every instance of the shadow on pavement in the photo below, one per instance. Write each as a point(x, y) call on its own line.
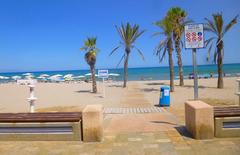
point(183, 131)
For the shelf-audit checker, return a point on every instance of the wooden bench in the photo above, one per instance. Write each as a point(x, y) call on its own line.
point(41, 126)
point(227, 121)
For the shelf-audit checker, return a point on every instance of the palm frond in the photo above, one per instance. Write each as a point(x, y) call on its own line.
point(218, 20)
point(116, 48)
point(230, 25)
point(160, 46)
point(120, 60)
point(210, 26)
point(157, 33)
point(140, 52)
point(209, 41)
point(163, 54)
point(128, 34)
point(136, 36)
point(209, 52)
point(120, 32)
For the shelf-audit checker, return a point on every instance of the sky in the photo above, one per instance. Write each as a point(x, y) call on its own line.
point(40, 35)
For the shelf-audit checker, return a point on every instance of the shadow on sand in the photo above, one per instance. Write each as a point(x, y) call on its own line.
point(84, 91)
point(155, 83)
point(114, 85)
point(191, 86)
point(150, 90)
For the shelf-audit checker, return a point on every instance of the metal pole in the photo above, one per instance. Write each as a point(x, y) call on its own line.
point(238, 92)
point(194, 52)
point(103, 88)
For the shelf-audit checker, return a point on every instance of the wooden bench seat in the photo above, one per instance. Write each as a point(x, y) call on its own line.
point(41, 126)
point(227, 121)
point(40, 117)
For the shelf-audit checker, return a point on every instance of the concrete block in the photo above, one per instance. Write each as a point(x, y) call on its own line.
point(199, 119)
point(92, 123)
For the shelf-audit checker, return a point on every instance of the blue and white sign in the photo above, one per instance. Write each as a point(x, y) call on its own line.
point(103, 73)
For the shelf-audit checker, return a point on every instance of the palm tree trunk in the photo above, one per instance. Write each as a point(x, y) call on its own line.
point(171, 67)
point(94, 84)
point(179, 57)
point(220, 64)
point(126, 68)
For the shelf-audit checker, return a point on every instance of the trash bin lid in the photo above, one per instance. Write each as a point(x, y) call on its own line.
point(165, 87)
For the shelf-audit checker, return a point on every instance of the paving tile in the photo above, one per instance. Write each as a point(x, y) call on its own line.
point(163, 140)
point(150, 146)
point(134, 139)
point(161, 135)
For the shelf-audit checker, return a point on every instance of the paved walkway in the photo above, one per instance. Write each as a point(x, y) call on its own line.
point(108, 110)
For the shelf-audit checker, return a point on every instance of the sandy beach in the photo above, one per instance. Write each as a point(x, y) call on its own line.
point(73, 96)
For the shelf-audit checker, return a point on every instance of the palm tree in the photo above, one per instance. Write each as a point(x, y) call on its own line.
point(90, 57)
point(128, 35)
point(219, 30)
point(166, 46)
point(177, 17)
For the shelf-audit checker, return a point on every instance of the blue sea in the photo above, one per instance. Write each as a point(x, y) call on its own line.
point(148, 73)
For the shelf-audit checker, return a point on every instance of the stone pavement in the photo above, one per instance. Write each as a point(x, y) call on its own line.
point(108, 110)
point(131, 134)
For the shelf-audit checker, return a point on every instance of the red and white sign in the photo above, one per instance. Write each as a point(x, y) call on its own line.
point(194, 36)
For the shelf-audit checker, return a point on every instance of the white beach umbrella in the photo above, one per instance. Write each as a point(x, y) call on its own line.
point(16, 77)
point(79, 77)
point(68, 76)
point(27, 74)
point(44, 75)
point(113, 74)
point(29, 77)
point(41, 77)
point(57, 75)
point(4, 77)
point(54, 77)
point(89, 74)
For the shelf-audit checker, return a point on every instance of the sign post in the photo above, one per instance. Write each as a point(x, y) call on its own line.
point(194, 53)
point(194, 39)
point(103, 74)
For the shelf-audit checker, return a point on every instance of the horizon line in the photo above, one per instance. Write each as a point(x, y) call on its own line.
point(110, 68)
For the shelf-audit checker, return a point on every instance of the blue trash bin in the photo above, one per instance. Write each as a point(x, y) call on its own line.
point(164, 96)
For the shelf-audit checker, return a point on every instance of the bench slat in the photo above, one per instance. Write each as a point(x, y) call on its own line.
point(41, 117)
point(227, 111)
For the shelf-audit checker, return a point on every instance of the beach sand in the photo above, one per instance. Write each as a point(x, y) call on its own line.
point(74, 96)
